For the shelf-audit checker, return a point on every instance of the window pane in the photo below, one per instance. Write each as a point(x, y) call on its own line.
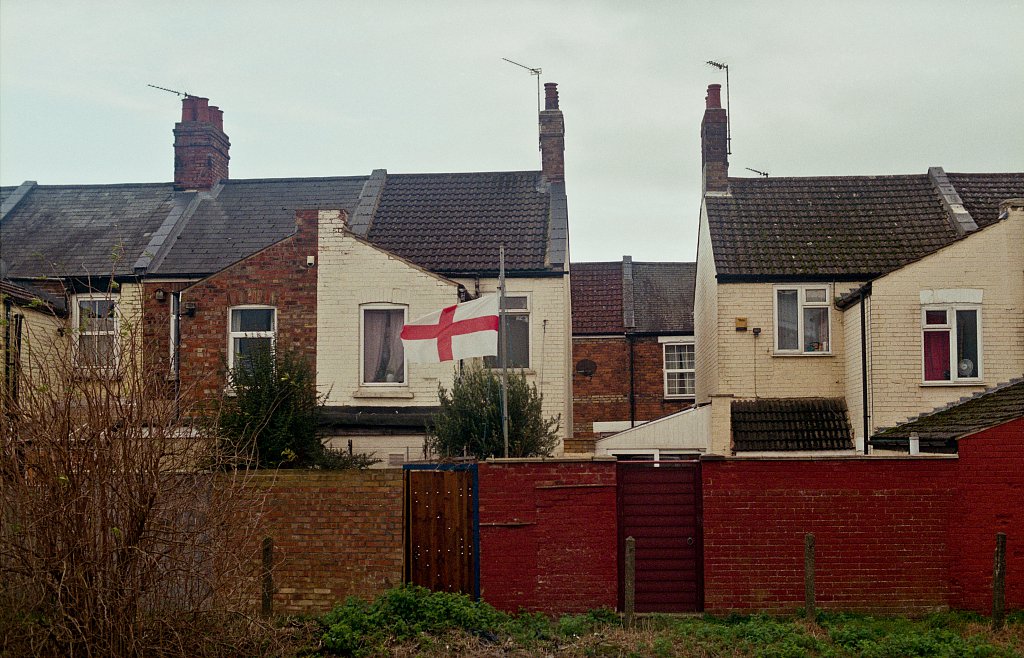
point(936, 356)
point(935, 317)
point(789, 318)
point(673, 357)
point(816, 329)
point(687, 357)
point(967, 343)
point(249, 347)
point(383, 354)
point(680, 383)
point(515, 304)
point(814, 295)
point(96, 315)
point(518, 342)
point(252, 319)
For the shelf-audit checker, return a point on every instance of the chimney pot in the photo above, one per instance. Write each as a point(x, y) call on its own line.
point(714, 97)
point(550, 95)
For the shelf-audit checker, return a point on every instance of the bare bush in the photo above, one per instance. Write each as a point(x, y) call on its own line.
point(120, 533)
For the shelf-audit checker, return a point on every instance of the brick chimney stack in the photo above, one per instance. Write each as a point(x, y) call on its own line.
point(714, 143)
point(200, 145)
point(552, 136)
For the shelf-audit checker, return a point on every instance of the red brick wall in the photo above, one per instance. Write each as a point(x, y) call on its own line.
point(881, 527)
point(604, 396)
point(548, 535)
point(335, 534)
point(990, 486)
point(277, 276)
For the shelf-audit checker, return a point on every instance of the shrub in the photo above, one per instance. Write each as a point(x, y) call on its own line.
point(469, 423)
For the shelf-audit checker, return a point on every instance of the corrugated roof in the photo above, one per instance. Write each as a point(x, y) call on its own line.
point(790, 424)
point(852, 227)
point(939, 429)
point(596, 298)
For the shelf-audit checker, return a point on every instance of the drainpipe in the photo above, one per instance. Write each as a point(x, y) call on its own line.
point(865, 292)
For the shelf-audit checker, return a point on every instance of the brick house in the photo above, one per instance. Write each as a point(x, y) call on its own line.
point(789, 270)
point(632, 345)
point(209, 267)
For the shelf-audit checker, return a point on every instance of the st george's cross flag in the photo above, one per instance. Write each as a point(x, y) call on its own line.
point(457, 332)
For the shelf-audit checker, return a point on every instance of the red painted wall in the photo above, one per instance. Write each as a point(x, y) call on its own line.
point(881, 528)
point(990, 488)
point(548, 535)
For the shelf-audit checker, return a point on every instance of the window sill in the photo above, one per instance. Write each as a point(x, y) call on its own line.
point(383, 392)
point(802, 354)
point(680, 398)
point(959, 382)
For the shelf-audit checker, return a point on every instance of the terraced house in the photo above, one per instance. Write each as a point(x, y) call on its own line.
point(829, 308)
point(210, 268)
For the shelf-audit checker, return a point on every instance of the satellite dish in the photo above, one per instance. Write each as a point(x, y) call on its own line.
point(586, 367)
point(965, 368)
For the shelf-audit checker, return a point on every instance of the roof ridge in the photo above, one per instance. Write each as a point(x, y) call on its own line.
point(295, 179)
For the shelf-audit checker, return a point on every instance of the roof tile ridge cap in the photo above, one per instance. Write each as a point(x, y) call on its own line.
point(959, 218)
point(163, 240)
point(16, 197)
point(286, 179)
point(556, 251)
point(369, 202)
point(628, 302)
point(956, 403)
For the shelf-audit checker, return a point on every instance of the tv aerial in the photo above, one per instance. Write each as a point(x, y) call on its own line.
point(533, 71)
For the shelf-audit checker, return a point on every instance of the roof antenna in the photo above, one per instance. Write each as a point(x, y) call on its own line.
point(728, 112)
point(759, 173)
point(183, 94)
point(532, 71)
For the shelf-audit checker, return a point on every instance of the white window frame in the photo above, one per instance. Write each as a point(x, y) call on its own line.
point(802, 303)
point(666, 342)
point(528, 312)
point(232, 335)
point(950, 326)
point(115, 298)
point(362, 345)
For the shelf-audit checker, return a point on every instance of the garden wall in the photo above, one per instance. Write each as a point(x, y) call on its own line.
point(336, 534)
point(548, 535)
point(881, 528)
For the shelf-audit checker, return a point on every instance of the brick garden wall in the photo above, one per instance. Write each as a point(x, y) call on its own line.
point(881, 528)
point(335, 534)
point(990, 487)
point(548, 535)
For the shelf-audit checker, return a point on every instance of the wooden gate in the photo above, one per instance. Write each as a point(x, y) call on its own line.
point(660, 507)
point(442, 537)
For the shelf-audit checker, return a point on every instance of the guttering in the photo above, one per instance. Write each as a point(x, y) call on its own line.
point(821, 277)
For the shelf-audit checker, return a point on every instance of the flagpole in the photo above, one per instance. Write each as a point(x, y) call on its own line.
point(503, 347)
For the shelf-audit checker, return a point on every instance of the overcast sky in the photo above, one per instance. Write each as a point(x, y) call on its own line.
point(341, 88)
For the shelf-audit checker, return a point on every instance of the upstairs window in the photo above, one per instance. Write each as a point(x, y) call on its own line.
point(253, 331)
point(951, 343)
point(679, 370)
point(517, 323)
point(96, 319)
point(802, 320)
point(383, 353)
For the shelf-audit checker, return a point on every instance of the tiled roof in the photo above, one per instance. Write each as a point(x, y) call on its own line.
point(939, 429)
point(850, 227)
point(454, 223)
point(248, 215)
point(447, 223)
point(790, 424)
point(596, 298)
point(29, 295)
point(663, 297)
point(81, 230)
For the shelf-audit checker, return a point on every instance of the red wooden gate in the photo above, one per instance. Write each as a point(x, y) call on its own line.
point(660, 507)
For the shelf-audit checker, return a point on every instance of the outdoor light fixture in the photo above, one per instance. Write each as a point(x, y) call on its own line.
point(160, 295)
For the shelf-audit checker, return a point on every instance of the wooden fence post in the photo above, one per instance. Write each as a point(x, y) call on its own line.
point(809, 576)
point(267, 584)
point(630, 581)
point(999, 583)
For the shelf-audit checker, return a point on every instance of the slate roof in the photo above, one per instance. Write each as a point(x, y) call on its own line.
point(447, 223)
point(938, 430)
point(596, 298)
point(842, 227)
point(661, 296)
point(791, 424)
point(81, 230)
point(454, 223)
